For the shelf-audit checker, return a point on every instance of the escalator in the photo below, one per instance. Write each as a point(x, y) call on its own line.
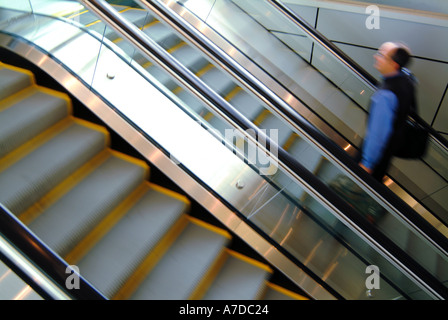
point(53, 165)
point(264, 118)
point(264, 215)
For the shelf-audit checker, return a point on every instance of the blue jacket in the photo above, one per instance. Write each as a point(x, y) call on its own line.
point(389, 108)
point(383, 109)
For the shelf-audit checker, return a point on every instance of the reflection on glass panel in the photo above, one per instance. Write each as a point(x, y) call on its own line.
point(307, 230)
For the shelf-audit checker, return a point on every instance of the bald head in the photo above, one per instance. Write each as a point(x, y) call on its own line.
point(391, 57)
point(399, 52)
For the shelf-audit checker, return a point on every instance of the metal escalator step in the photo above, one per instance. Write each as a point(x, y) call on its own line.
point(117, 255)
point(220, 125)
point(239, 279)
point(162, 35)
point(272, 122)
point(13, 80)
point(182, 267)
point(31, 177)
point(29, 117)
point(246, 104)
point(217, 80)
point(306, 154)
point(189, 57)
point(192, 102)
point(68, 220)
point(139, 17)
point(162, 76)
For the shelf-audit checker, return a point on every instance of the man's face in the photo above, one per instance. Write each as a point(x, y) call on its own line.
point(383, 61)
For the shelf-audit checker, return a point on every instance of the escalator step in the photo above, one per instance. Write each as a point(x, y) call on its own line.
point(189, 57)
point(247, 105)
point(29, 117)
point(239, 280)
point(217, 80)
point(12, 80)
point(28, 179)
point(70, 218)
point(118, 254)
point(182, 268)
point(162, 35)
point(305, 154)
point(271, 123)
point(139, 17)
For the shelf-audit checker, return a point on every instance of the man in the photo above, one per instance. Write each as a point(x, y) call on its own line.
point(389, 107)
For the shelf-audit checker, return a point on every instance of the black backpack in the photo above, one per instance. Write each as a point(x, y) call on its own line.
point(414, 138)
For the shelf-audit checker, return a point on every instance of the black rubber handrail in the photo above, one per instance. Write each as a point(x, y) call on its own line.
point(151, 49)
point(345, 59)
point(40, 255)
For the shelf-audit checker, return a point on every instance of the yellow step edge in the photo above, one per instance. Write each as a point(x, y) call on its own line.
point(233, 93)
point(63, 13)
point(131, 159)
point(95, 127)
point(208, 116)
point(116, 8)
point(98, 21)
point(249, 260)
point(15, 98)
point(171, 193)
point(61, 189)
point(261, 117)
point(177, 90)
point(34, 143)
point(77, 14)
point(149, 25)
point(320, 165)
point(291, 139)
point(286, 292)
point(210, 227)
point(21, 70)
point(204, 70)
point(30, 90)
point(176, 47)
point(208, 278)
point(128, 8)
point(125, 8)
point(58, 94)
point(105, 225)
point(92, 23)
point(147, 64)
point(151, 260)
